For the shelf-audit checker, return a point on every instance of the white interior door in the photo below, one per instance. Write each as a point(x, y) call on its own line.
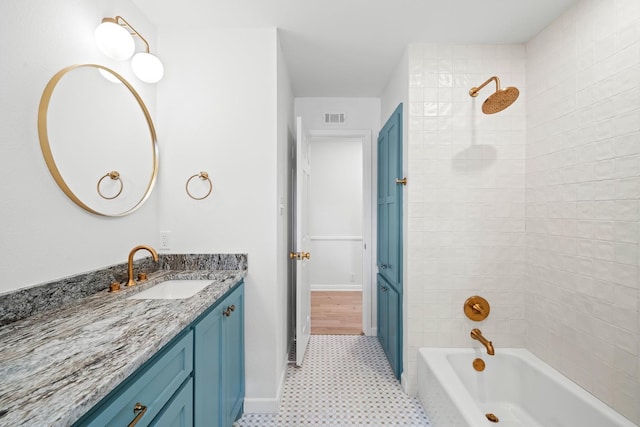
point(302, 255)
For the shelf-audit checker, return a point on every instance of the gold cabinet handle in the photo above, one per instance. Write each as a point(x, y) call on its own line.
point(306, 255)
point(139, 409)
point(294, 255)
point(402, 181)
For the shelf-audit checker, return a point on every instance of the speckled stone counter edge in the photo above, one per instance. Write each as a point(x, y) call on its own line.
point(26, 302)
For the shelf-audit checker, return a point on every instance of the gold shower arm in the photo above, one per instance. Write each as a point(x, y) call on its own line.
point(474, 90)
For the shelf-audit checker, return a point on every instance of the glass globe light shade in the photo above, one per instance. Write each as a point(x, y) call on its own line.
point(147, 67)
point(107, 75)
point(114, 41)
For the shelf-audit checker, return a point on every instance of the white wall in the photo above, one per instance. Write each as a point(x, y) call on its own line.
point(361, 113)
point(217, 111)
point(286, 144)
point(335, 214)
point(465, 197)
point(45, 236)
point(583, 193)
point(396, 91)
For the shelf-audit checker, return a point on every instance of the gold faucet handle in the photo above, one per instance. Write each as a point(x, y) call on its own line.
point(476, 308)
point(142, 277)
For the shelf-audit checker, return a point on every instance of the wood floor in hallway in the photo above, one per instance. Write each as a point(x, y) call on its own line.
point(336, 313)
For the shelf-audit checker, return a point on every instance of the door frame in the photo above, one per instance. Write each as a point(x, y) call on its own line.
point(369, 310)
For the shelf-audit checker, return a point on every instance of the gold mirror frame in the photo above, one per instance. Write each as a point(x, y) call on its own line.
point(46, 147)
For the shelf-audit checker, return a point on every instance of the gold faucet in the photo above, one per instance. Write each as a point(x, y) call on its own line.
point(154, 254)
point(476, 334)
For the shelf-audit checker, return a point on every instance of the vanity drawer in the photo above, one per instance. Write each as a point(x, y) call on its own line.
point(151, 387)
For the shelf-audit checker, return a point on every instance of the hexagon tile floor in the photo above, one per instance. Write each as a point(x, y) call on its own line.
point(344, 381)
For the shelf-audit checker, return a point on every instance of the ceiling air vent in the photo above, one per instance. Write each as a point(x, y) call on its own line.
point(334, 118)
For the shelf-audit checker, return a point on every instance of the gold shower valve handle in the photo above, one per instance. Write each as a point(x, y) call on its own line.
point(477, 308)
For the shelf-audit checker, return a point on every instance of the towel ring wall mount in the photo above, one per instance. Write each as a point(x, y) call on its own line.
point(115, 176)
point(204, 176)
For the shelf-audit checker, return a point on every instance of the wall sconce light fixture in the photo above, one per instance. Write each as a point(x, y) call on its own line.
point(114, 37)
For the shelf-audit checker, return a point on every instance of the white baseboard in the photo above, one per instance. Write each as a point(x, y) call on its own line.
point(346, 287)
point(261, 405)
point(403, 382)
point(267, 405)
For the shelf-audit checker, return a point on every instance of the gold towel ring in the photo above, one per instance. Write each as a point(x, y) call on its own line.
point(114, 175)
point(203, 176)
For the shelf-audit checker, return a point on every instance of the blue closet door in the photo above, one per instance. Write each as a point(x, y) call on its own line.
point(389, 233)
point(390, 199)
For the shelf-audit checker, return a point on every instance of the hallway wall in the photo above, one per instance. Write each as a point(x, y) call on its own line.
point(583, 194)
point(335, 214)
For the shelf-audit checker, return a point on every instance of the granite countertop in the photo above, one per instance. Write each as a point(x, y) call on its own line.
point(56, 365)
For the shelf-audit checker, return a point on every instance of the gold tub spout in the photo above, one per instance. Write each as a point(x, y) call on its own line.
point(476, 334)
point(154, 254)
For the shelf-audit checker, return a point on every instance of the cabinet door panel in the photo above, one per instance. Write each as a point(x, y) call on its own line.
point(208, 370)
point(179, 411)
point(383, 314)
point(233, 349)
point(393, 337)
point(219, 363)
point(152, 387)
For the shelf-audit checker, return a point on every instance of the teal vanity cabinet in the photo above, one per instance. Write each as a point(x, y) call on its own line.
point(195, 380)
point(147, 396)
point(219, 363)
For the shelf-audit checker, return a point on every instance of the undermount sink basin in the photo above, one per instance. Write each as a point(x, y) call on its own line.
point(173, 289)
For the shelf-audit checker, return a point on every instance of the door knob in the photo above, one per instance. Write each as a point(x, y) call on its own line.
point(300, 255)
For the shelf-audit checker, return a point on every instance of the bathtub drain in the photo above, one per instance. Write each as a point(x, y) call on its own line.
point(492, 418)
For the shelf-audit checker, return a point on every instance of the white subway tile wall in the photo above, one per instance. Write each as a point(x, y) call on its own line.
point(466, 197)
point(582, 199)
point(536, 208)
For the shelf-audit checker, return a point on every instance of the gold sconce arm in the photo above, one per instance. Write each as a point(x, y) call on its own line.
point(125, 24)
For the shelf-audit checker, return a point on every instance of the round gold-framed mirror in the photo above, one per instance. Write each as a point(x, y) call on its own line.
point(98, 139)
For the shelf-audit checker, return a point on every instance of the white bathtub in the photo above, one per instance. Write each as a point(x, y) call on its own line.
point(516, 386)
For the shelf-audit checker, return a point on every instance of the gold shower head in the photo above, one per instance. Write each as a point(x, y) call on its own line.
point(499, 100)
